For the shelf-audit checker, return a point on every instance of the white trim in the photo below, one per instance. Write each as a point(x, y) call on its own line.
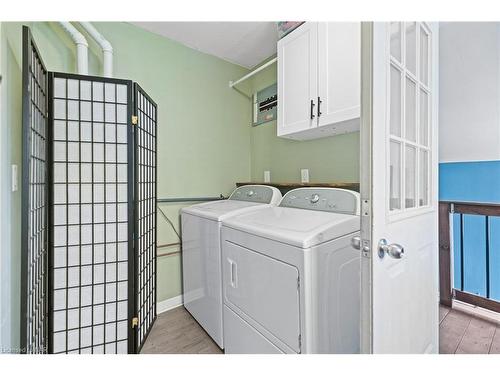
point(4, 248)
point(169, 304)
point(476, 311)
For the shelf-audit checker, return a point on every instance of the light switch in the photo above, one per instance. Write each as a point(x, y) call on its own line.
point(267, 176)
point(304, 176)
point(14, 178)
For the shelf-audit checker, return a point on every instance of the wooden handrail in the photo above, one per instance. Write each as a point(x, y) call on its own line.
point(473, 208)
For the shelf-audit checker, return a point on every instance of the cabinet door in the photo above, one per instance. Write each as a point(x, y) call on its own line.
point(298, 79)
point(339, 83)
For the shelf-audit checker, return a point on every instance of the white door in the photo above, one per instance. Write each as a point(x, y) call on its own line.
point(298, 79)
point(338, 71)
point(399, 131)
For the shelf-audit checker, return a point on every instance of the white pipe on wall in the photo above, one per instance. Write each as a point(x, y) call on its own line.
point(253, 72)
point(82, 61)
point(107, 49)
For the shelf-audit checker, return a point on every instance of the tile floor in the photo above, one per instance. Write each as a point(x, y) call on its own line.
point(461, 333)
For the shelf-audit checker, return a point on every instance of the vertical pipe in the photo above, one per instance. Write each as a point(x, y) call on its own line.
point(82, 61)
point(107, 49)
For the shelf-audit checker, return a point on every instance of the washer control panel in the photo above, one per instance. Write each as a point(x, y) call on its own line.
point(323, 199)
point(257, 194)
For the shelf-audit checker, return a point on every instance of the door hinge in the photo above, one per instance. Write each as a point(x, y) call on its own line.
point(298, 283)
point(365, 207)
point(300, 342)
point(135, 120)
point(135, 322)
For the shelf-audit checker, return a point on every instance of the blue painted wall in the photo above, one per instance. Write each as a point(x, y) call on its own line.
point(473, 182)
point(477, 181)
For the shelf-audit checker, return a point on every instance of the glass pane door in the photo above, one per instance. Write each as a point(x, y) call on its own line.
point(409, 116)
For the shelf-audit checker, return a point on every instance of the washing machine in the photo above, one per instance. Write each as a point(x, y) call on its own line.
point(291, 280)
point(201, 252)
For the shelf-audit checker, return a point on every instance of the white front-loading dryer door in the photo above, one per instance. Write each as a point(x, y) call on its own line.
point(264, 291)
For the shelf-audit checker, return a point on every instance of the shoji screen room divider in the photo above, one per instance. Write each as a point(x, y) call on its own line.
point(99, 198)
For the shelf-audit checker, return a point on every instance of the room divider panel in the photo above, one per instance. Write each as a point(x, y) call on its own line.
point(100, 191)
point(90, 233)
point(34, 227)
point(145, 196)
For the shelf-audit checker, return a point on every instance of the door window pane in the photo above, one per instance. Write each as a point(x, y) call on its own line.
point(395, 103)
point(410, 110)
point(395, 176)
point(424, 56)
point(396, 40)
point(410, 173)
point(424, 178)
point(424, 118)
point(411, 47)
point(409, 116)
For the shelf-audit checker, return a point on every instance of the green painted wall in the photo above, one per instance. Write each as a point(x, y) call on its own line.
point(332, 159)
point(10, 149)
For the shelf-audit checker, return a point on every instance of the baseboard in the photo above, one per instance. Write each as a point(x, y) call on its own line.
point(476, 311)
point(169, 304)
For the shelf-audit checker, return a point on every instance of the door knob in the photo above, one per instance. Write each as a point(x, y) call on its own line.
point(394, 250)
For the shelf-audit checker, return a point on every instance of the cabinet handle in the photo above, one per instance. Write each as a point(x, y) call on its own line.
point(312, 109)
point(319, 106)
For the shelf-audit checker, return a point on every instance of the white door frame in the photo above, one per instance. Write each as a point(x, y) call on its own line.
point(365, 143)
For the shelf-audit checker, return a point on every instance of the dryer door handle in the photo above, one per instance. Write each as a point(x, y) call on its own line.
point(233, 280)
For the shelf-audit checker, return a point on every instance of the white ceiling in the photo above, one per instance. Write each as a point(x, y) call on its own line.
point(243, 43)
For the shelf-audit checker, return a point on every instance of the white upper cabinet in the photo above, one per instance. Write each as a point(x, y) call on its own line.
point(339, 73)
point(298, 79)
point(319, 80)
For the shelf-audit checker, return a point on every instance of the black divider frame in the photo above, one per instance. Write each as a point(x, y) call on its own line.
point(34, 195)
point(130, 204)
point(37, 244)
point(145, 110)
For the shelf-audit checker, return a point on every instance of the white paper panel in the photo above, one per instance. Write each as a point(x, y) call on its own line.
point(86, 192)
point(59, 88)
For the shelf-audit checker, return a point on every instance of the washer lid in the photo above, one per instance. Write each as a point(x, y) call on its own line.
point(295, 226)
point(244, 198)
point(219, 210)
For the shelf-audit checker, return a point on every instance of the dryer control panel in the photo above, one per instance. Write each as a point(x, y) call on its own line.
point(323, 199)
point(257, 194)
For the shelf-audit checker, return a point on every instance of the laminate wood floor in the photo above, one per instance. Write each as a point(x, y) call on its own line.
point(177, 332)
point(461, 333)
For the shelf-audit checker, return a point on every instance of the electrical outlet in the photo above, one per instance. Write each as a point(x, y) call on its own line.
point(267, 176)
point(304, 175)
point(14, 178)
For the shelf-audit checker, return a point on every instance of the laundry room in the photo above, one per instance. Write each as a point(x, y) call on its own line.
point(207, 183)
point(214, 99)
